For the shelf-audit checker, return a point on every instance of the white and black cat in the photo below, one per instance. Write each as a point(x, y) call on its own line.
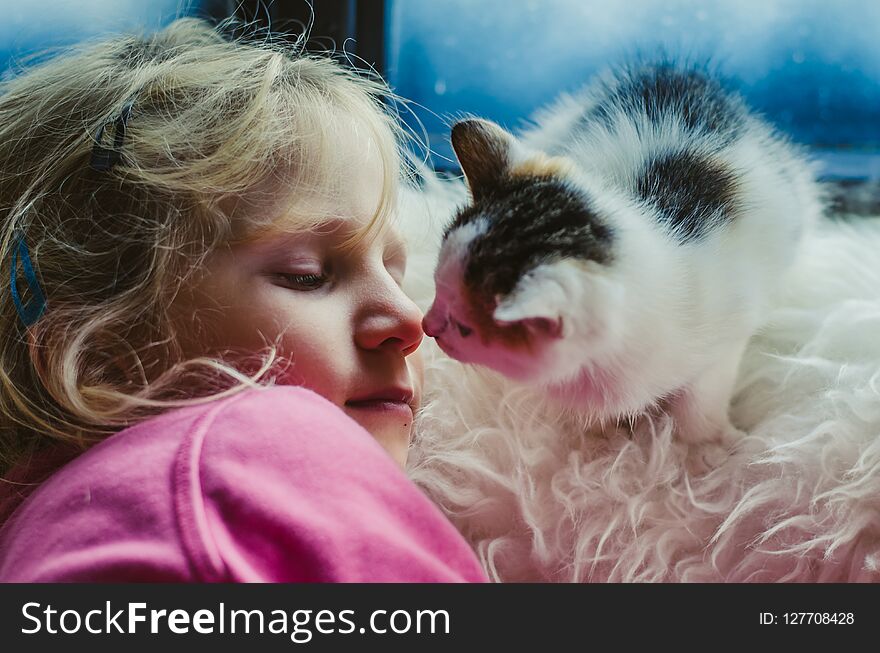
point(623, 251)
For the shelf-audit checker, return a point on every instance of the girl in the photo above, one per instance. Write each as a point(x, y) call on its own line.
point(204, 325)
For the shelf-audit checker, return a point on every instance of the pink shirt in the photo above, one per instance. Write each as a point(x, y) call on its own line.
point(272, 484)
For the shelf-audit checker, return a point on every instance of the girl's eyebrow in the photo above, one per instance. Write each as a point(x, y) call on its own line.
point(395, 245)
point(280, 237)
point(342, 227)
point(337, 230)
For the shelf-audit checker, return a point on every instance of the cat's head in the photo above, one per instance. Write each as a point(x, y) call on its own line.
point(524, 283)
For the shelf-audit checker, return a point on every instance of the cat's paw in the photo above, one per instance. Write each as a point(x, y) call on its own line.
point(713, 450)
point(699, 430)
point(706, 457)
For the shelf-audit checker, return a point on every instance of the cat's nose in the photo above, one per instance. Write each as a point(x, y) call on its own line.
point(435, 321)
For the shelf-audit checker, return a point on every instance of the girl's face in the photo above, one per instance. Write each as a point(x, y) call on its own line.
point(340, 316)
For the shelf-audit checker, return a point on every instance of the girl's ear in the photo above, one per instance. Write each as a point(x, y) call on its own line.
point(484, 151)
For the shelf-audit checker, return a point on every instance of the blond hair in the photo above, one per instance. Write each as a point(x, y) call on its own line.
point(212, 121)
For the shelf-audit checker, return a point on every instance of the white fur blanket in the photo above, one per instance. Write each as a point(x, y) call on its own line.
point(541, 498)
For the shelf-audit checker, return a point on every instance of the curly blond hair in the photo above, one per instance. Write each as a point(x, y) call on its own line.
point(212, 120)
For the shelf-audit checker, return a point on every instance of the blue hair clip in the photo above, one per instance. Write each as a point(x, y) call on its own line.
point(36, 305)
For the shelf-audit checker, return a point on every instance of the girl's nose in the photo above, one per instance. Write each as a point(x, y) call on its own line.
point(395, 324)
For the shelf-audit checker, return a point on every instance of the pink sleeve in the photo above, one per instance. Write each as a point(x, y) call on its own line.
point(282, 486)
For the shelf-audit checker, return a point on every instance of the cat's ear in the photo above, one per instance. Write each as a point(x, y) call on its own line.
point(534, 306)
point(484, 151)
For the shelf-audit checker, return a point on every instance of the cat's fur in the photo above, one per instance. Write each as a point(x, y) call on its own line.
point(623, 251)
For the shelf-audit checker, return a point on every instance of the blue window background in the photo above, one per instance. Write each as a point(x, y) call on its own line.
point(812, 67)
point(32, 28)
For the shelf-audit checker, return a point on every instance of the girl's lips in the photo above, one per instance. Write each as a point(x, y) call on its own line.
point(380, 406)
point(392, 394)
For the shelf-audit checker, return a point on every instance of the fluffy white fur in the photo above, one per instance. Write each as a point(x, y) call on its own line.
point(543, 497)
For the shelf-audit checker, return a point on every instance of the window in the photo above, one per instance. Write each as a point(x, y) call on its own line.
point(812, 66)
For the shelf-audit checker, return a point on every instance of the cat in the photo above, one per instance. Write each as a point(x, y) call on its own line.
point(622, 252)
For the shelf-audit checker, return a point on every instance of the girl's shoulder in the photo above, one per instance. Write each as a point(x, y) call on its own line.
point(253, 424)
point(269, 484)
point(126, 489)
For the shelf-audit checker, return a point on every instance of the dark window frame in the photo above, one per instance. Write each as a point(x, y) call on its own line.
point(338, 26)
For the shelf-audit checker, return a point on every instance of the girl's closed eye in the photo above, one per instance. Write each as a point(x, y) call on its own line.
point(304, 281)
point(305, 277)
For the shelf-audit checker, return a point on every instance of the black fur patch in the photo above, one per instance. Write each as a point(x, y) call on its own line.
point(694, 194)
point(661, 90)
point(532, 220)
